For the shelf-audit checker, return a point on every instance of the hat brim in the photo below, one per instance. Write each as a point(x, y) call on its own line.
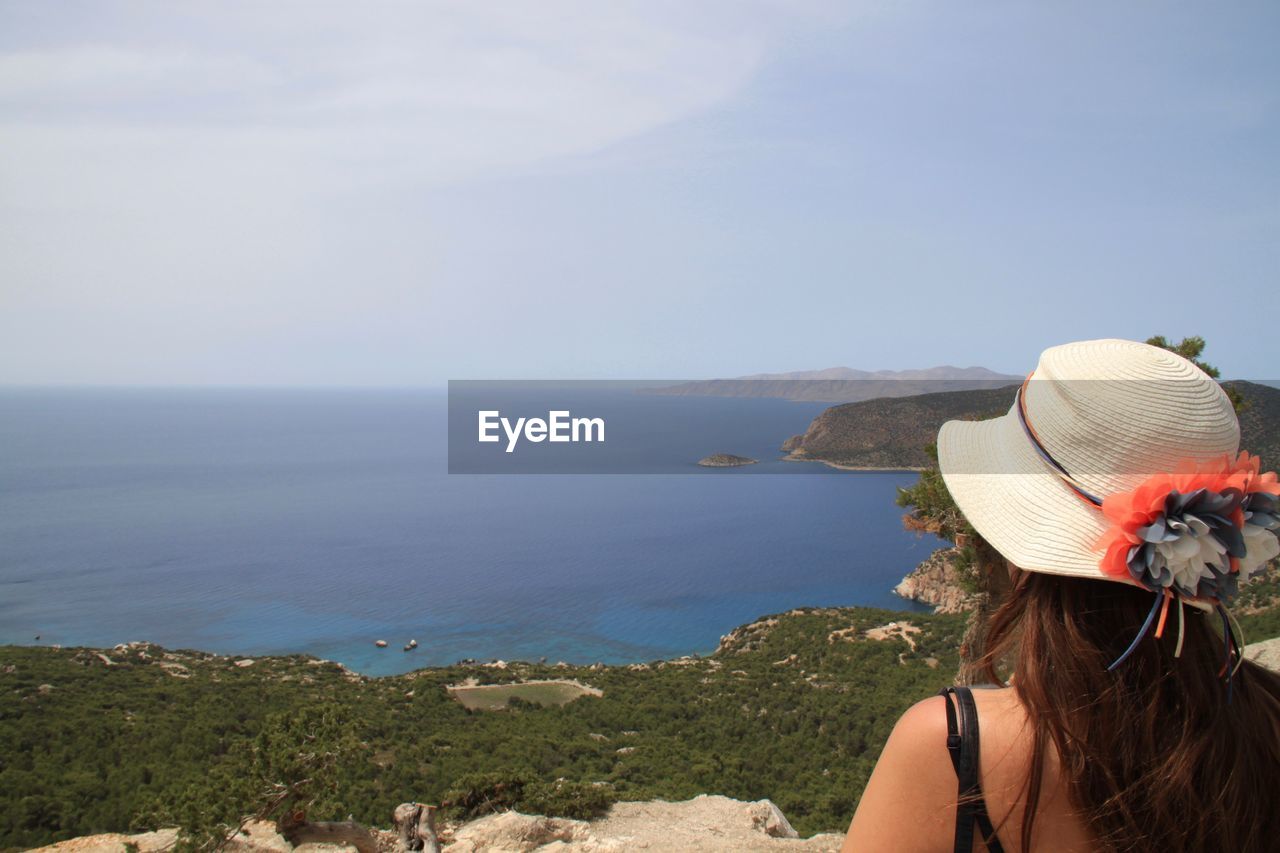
point(1016, 502)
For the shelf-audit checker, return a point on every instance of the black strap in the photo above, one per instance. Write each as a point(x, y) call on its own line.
point(963, 744)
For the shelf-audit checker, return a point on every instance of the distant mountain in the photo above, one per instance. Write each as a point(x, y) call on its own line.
point(945, 371)
point(894, 433)
point(842, 384)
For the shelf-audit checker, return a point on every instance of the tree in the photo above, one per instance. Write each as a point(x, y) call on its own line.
point(932, 509)
point(1191, 349)
point(295, 762)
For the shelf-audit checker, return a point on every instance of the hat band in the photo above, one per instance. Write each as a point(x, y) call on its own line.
point(1058, 469)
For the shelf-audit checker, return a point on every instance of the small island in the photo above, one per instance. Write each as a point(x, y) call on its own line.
point(725, 460)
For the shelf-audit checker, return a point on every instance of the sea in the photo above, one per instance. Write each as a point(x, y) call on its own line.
point(318, 521)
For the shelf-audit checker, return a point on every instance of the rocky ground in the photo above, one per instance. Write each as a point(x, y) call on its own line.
point(1266, 653)
point(705, 823)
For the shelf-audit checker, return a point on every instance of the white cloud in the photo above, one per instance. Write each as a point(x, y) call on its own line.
point(316, 96)
point(177, 180)
point(98, 77)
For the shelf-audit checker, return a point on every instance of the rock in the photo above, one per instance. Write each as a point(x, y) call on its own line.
point(725, 460)
point(512, 832)
point(937, 582)
point(245, 662)
point(705, 823)
point(258, 836)
point(1265, 653)
point(177, 670)
point(768, 817)
point(114, 842)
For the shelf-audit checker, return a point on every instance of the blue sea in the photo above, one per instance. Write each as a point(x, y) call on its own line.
point(254, 522)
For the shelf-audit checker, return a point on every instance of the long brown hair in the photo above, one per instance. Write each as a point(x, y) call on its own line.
point(1154, 754)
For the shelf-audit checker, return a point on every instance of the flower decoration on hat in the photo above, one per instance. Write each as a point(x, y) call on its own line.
point(1190, 534)
point(1195, 531)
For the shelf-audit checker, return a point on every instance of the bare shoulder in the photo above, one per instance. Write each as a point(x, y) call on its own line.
point(909, 802)
point(1004, 726)
point(924, 720)
point(1001, 713)
point(918, 744)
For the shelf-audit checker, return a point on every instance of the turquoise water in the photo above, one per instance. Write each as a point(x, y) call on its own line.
point(262, 522)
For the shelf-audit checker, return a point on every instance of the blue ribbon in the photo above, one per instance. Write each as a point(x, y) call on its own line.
point(1146, 626)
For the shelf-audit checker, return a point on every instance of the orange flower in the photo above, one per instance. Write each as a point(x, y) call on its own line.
point(1134, 510)
point(1246, 472)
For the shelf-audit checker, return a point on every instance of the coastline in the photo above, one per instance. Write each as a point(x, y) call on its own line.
point(250, 660)
point(841, 467)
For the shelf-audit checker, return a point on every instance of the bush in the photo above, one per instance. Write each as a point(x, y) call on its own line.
point(478, 794)
point(567, 799)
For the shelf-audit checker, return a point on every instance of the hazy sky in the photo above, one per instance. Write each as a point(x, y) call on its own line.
point(348, 193)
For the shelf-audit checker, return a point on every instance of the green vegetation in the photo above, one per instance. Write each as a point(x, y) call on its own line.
point(932, 509)
point(479, 794)
point(795, 709)
point(1258, 605)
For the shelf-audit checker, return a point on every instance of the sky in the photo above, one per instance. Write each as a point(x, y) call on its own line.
point(389, 194)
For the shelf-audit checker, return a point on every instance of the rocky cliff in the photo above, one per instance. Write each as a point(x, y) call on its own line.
point(938, 582)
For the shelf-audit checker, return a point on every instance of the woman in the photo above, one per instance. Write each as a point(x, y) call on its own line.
point(1130, 721)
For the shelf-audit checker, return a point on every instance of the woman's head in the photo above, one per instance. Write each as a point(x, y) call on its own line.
point(1074, 478)
point(1113, 484)
point(1118, 461)
point(1155, 755)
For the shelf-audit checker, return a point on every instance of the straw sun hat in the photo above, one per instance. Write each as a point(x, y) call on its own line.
point(1114, 421)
